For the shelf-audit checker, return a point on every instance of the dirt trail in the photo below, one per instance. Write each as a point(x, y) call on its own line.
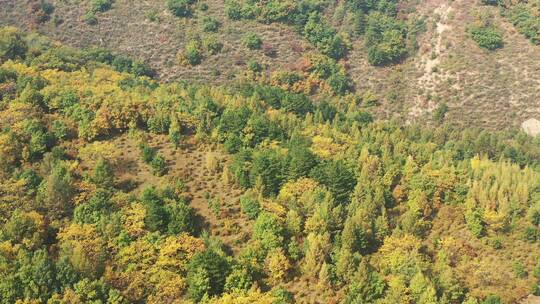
point(432, 60)
point(531, 300)
point(429, 63)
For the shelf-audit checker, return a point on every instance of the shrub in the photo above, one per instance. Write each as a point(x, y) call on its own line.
point(252, 41)
point(139, 68)
point(492, 299)
point(41, 10)
point(192, 52)
point(180, 8)
point(203, 7)
point(210, 24)
point(122, 63)
point(440, 112)
point(255, 67)
point(487, 37)
point(233, 10)
point(101, 5)
point(519, 270)
point(535, 290)
point(90, 18)
point(531, 234)
point(153, 15)
point(527, 23)
point(212, 45)
point(12, 46)
point(148, 153)
point(491, 2)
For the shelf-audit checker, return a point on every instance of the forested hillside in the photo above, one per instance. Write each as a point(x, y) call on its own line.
point(468, 62)
point(118, 188)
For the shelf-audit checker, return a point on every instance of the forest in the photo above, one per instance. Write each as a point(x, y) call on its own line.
point(116, 187)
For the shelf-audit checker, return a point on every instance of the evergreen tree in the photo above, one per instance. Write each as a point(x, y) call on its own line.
point(207, 273)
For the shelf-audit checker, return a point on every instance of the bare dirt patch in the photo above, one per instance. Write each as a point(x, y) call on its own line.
point(188, 164)
point(531, 126)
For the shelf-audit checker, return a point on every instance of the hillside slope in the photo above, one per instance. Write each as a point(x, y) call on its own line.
point(447, 71)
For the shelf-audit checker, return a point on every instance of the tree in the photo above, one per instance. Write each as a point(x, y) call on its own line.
point(233, 120)
point(37, 275)
point(206, 275)
point(181, 218)
point(337, 177)
point(91, 291)
point(103, 175)
point(475, 222)
point(269, 167)
point(259, 128)
point(56, 191)
point(269, 231)
point(84, 248)
point(26, 228)
point(10, 289)
point(299, 104)
point(402, 256)
point(66, 275)
point(159, 165)
point(239, 280)
point(277, 266)
point(148, 153)
point(156, 218)
point(366, 287)
point(302, 160)
point(240, 167)
point(92, 212)
point(175, 133)
point(10, 151)
point(250, 206)
point(324, 37)
point(385, 39)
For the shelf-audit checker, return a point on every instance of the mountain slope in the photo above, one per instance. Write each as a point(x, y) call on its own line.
point(491, 89)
